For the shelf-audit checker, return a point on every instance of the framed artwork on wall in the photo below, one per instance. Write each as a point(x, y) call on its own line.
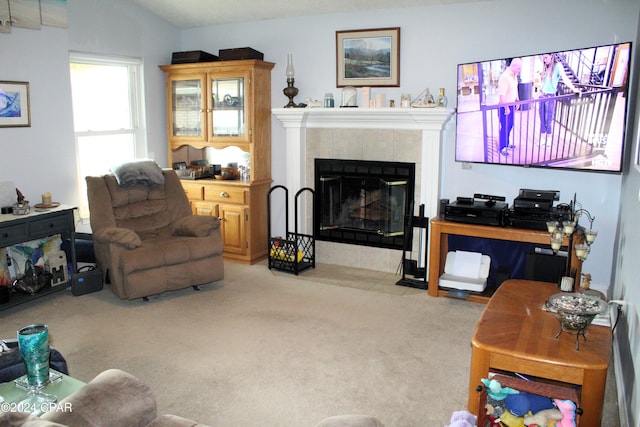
point(368, 58)
point(14, 104)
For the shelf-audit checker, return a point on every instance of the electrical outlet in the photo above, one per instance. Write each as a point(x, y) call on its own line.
point(622, 306)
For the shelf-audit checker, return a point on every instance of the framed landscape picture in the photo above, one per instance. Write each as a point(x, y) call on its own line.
point(368, 58)
point(14, 104)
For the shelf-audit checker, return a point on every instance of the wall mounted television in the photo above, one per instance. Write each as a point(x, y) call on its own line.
point(564, 110)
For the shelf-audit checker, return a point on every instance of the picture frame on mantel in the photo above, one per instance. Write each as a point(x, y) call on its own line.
point(15, 110)
point(368, 58)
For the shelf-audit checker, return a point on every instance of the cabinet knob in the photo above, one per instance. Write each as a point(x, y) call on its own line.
point(224, 194)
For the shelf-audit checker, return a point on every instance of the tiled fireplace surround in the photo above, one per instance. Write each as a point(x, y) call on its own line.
point(385, 134)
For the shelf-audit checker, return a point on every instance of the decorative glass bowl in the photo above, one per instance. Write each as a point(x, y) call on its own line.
point(576, 311)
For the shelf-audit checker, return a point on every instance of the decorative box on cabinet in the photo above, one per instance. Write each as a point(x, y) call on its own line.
point(219, 105)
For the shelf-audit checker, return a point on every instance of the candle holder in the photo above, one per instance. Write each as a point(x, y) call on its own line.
point(571, 228)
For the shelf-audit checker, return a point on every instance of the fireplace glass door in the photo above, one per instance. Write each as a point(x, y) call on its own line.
point(363, 202)
point(370, 204)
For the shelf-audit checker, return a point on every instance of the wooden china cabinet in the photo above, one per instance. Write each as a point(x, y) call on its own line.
point(215, 105)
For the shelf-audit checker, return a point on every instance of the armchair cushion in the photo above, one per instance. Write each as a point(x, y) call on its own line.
point(121, 236)
point(195, 226)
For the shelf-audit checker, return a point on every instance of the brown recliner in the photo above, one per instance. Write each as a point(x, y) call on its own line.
point(146, 239)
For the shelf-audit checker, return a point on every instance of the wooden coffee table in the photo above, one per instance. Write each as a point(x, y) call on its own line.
point(515, 335)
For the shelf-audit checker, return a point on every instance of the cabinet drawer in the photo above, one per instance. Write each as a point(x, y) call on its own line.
point(13, 234)
point(194, 192)
point(225, 195)
point(48, 226)
point(204, 208)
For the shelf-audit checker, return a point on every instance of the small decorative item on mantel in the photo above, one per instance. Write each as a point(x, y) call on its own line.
point(312, 102)
point(349, 97)
point(405, 100)
point(424, 100)
point(442, 99)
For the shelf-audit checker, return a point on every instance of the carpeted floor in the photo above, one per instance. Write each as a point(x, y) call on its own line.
point(266, 348)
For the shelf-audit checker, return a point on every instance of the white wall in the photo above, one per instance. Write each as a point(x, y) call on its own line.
point(39, 158)
point(433, 41)
point(627, 270)
point(42, 157)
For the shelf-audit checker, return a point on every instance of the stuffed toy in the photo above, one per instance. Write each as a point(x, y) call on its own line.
point(462, 419)
point(496, 391)
point(510, 420)
point(522, 403)
point(492, 416)
point(494, 410)
point(568, 409)
point(542, 418)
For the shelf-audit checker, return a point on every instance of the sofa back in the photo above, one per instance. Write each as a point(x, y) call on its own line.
point(149, 210)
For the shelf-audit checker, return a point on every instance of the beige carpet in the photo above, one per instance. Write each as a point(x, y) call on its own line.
point(266, 348)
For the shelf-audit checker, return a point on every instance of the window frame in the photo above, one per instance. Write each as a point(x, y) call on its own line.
point(135, 67)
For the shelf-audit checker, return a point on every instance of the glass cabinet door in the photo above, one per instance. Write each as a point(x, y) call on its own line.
point(187, 107)
point(228, 115)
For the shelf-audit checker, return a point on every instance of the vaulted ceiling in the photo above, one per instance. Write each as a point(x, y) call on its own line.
point(199, 13)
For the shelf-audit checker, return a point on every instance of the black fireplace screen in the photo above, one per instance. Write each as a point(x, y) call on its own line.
point(363, 202)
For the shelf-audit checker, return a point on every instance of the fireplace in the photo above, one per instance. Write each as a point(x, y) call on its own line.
point(363, 202)
point(413, 135)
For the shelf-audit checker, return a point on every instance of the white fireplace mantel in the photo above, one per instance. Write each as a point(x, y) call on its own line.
point(430, 121)
point(364, 118)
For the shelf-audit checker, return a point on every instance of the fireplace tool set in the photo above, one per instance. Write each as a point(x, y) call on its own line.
point(296, 251)
point(409, 266)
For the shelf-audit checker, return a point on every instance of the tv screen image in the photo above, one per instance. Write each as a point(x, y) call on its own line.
point(563, 109)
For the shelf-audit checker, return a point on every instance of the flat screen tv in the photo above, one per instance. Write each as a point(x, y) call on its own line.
point(564, 110)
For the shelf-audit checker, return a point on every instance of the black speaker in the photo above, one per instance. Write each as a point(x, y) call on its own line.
point(442, 206)
point(502, 273)
point(544, 268)
point(85, 282)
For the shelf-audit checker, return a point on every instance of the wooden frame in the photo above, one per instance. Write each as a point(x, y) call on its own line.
point(14, 104)
point(379, 69)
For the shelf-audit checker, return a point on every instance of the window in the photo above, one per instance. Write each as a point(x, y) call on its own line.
point(108, 115)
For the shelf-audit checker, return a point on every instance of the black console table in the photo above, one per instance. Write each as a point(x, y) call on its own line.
point(16, 229)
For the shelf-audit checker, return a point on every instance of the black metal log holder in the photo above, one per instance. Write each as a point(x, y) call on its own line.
point(409, 266)
point(296, 251)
